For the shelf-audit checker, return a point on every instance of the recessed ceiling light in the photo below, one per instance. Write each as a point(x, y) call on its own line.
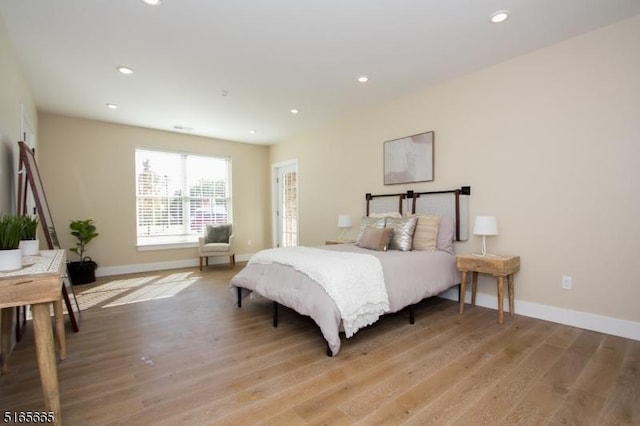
point(153, 2)
point(499, 16)
point(125, 70)
point(294, 110)
point(253, 132)
point(112, 106)
point(363, 79)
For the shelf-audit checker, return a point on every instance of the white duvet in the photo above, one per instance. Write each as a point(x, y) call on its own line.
point(354, 281)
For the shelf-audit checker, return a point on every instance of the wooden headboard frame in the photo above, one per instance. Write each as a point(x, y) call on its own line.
point(413, 198)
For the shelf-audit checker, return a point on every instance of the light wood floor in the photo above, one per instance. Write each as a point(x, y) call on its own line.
point(171, 348)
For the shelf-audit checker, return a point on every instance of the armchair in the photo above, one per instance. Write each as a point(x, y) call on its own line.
point(217, 241)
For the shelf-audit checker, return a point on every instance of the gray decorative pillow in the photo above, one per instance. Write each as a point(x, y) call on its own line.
point(372, 222)
point(376, 238)
point(446, 234)
point(402, 232)
point(218, 233)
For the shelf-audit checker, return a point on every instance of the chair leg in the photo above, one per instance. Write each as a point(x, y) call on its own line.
point(232, 260)
point(200, 258)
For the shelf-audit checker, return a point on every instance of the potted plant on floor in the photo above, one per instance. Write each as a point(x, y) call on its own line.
point(10, 234)
point(29, 244)
point(84, 270)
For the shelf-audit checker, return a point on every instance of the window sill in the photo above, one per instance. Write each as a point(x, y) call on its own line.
point(167, 243)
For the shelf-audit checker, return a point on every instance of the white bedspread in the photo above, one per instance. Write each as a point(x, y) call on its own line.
point(354, 281)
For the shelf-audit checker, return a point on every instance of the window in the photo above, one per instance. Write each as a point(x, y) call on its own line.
point(178, 194)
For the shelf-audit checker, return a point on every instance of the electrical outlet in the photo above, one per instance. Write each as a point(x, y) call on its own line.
point(567, 282)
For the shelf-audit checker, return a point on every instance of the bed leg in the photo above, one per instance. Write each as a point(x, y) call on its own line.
point(239, 297)
point(329, 353)
point(275, 314)
point(412, 314)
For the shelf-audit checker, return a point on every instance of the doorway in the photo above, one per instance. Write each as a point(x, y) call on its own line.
point(285, 206)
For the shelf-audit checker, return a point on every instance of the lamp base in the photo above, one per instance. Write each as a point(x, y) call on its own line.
point(484, 249)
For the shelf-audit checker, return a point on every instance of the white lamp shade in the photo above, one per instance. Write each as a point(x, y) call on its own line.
point(344, 221)
point(485, 225)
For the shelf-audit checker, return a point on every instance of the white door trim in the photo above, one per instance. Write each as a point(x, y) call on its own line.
point(274, 195)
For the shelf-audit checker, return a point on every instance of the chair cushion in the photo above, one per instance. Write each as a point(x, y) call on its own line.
point(215, 247)
point(217, 233)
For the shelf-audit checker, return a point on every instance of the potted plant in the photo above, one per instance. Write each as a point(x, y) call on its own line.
point(84, 270)
point(10, 234)
point(29, 244)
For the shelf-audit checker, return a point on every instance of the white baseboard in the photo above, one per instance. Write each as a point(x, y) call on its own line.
point(600, 323)
point(160, 266)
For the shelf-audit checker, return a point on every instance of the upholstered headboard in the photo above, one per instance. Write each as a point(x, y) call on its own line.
point(453, 203)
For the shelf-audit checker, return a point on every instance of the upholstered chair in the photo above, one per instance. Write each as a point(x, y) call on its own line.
point(217, 241)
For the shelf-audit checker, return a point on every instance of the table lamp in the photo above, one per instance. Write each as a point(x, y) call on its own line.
point(344, 223)
point(485, 225)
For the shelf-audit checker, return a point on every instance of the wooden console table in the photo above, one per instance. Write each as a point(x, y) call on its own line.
point(38, 284)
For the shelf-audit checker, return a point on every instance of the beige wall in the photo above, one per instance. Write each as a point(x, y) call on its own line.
point(549, 143)
point(15, 95)
point(88, 172)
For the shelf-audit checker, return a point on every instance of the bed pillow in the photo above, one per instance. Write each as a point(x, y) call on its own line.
point(373, 222)
point(446, 233)
point(388, 214)
point(425, 236)
point(218, 233)
point(375, 238)
point(402, 232)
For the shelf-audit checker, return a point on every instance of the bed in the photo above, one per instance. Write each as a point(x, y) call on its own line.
point(409, 271)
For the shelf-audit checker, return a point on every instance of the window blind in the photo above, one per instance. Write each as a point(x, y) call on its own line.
point(178, 194)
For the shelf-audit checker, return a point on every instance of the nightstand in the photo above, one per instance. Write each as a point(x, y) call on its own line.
point(498, 266)
point(329, 242)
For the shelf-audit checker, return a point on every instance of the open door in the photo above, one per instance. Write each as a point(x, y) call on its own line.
point(286, 204)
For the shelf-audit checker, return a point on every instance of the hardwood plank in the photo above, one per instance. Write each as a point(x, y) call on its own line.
point(446, 374)
point(192, 357)
point(491, 408)
point(325, 373)
point(622, 406)
point(547, 396)
point(502, 360)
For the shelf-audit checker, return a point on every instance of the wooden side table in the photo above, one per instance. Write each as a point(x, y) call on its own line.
point(330, 242)
point(38, 284)
point(498, 266)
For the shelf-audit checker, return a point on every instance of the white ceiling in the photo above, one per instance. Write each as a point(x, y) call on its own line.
point(269, 55)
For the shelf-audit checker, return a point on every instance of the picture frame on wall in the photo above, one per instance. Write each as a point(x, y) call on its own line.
point(409, 159)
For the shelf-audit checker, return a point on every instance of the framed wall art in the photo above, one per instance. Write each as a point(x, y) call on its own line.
point(409, 159)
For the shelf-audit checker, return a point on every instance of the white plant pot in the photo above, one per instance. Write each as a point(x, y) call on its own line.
point(10, 260)
point(30, 247)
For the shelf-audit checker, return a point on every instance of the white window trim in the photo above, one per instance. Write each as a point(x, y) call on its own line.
point(172, 242)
